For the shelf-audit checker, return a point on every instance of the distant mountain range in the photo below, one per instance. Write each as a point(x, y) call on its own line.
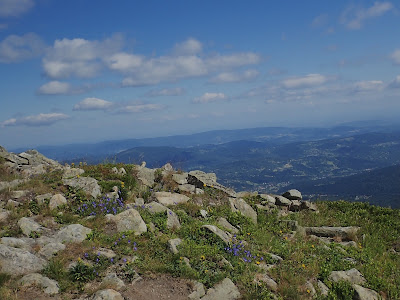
point(333, 162)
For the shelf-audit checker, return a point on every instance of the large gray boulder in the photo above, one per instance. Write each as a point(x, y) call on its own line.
point(24, 243)
point(28, 225)
point(48, 285)
point(241, 206)
point(155, 207)
point(173, 244)
point(352, 276)
point(87, 184)
point(345, 233)
point(74, 233)
point(107, 294)
point(201, 179)
point(146, 176)
point(224, 223)
point(180, 178)
point(172, 220)
point(226, 237)
point(130, 219)
point(15, 261)
point(225, 290)
point(362, 293)
point(293, 195)
point(282, 201)
point(168, 198)
point(56, 201)
point(50, 249)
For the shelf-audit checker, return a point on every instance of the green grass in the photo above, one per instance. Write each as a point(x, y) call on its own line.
point(210, 260)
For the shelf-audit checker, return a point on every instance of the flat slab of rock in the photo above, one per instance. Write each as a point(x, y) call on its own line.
point(270, 199)
point(155, 207)
point(282, 201)
point(51, 249)
point(87, 184)
point(225, 290)
point(168, 198)
point(224, 223)
point(200, 179)
point(17, 243)
point(346, 233)
point(48, 285)
point(28, 225)
point(180, 178)
point(245, 209)
point(352, 276)
point(130, 219)
point(362, 293)
point(74, 233)
point(107, 294)
point(293, 195)
point(226, 237)
point(189, 188)
point(15, 261)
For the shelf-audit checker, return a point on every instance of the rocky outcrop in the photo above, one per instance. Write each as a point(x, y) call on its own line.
point(293, 195)
point(201, 179)
point(87, 184)
point(168, 198)
point(225, 290)
point(241, 206)
point(15, 261)
point(352, 276)
point(75, 233)
point(345, 233)
point(362, 293)
point(129, 219)
point(226, 237)
point(48, 285)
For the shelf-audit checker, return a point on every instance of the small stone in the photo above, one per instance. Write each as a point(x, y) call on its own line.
point(173, 244)
point(57, 200)
point(225, 290)
point(111, 280)
point(107, 294)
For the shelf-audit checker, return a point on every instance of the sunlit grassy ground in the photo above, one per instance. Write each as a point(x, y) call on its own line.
point(210, 259)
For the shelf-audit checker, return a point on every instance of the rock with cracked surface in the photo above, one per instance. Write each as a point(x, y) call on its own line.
point(168, 198)
point(130, 219)
point(225, 290)
point(15, 261)
point(226, 237)
point(48, 285)
point(238, 204)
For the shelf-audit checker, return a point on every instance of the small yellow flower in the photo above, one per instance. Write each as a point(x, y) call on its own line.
point(181, 258)
point(308, 291)
point(204, 184)
point(202, 257)
point(285, 237)
point(303, 265)
point(77, 176)
point(212, 186)
point(312, 246)
point(280, 231)
point(79, 259)
point(205, 271)
point(248, 233)
point(257, 262)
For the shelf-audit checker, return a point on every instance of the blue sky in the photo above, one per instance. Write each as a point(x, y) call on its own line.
point(86, 71)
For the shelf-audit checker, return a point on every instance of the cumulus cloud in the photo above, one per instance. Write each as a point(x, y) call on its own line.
point(304, 81)
point(124, 62)
point(368, 86)
point(189, 47)
point(210, 97)
point(395, 56)
point(93, 104)
point(15, 8)
point(54, 88)
point(140, 108)
point(353, 17)
point(36, 120)
point(395, 83)
point(16, 48)
point(166, 92)
point(235, 76)
point(79, 57)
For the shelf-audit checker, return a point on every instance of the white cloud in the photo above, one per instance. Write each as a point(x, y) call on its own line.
point(54, 88)
point(304, 81)
point(93, 104)
point(235, 76)
point(233, 60)
point(124, 62)
point(396, 57)
point(210, 97)
point(36, 120)
point(140, 108)
point(79, 57)
point(189, 47)
point(16, 48)
point(15, 8)
point(368, 86)
point(395, 83)
point(166, 92)
point(353, 17)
